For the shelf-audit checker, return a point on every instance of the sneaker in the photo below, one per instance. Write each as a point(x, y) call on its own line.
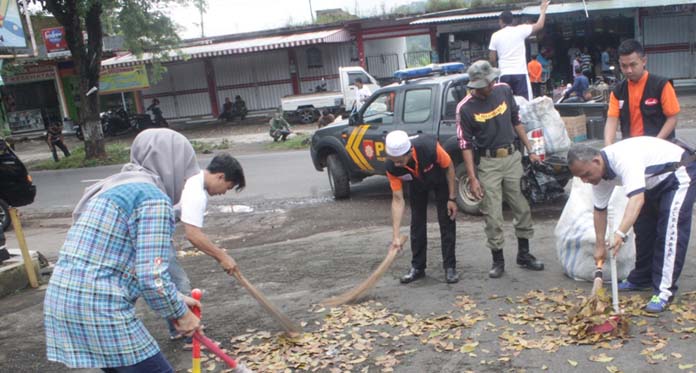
point(625, 285)
point(656, 305)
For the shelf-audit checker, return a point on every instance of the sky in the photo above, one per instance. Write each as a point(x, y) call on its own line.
point(235, 16)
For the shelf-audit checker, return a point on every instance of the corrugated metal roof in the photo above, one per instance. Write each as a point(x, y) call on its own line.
point(604, 5)
point(238, 47)
point(459, 17)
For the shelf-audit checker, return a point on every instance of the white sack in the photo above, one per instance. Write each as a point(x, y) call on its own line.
point(575, 236)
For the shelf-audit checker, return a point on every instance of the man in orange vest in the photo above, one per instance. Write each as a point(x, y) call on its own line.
point(534, 69)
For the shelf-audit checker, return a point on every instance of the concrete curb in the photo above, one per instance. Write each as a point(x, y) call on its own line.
point(13, 276)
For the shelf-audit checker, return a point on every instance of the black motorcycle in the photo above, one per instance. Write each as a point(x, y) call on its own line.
point(115, 122)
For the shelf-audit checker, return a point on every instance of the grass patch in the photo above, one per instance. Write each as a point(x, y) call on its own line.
point(300, 141)
point(207, 148)
point(116, 153)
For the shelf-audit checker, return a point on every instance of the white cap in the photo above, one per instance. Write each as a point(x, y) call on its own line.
point(397, 143)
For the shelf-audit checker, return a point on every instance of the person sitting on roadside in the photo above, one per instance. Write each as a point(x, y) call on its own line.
point(226, 111)
point(576, 93)
point(280, 129)
point(117, 251)
point(325, 119)
point(55, 139)
point(240, 108)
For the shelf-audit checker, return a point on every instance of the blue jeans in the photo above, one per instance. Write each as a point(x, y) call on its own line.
point(182, 282)
point(155, 364)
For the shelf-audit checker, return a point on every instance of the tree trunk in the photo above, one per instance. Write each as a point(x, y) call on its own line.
point(87, 60)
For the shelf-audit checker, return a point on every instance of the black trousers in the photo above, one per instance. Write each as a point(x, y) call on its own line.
point(62, 147)
point(663, 229)
point(418, 198)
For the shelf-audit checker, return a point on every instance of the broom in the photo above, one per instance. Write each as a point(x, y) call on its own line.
point(291, 328)
point(361, 289)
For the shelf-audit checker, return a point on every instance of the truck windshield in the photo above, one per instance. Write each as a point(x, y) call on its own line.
point(381, 109)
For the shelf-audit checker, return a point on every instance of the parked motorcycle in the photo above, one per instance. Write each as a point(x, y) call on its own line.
point(16, 187)
point(115, 122)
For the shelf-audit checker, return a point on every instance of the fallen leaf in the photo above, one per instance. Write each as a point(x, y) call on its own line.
point(601, 358)
point(686, 366)
point(676, 355)
point(573, 363)
point(613, 369)
point(469, 347)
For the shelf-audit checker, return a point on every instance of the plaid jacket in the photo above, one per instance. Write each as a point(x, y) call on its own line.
point(115, 253)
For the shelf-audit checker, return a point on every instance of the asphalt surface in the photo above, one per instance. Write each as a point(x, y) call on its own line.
point(299, 246)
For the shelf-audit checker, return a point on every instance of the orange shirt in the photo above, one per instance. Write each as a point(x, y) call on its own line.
point(668, 100)
point(443, 160)
point(534, 68)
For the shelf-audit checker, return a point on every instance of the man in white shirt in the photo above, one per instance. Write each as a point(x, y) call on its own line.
point(508, 50)
point(661, 187)
point(222, 174)
point(362, 93)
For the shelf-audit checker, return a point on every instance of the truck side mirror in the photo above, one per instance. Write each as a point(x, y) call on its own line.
point(355, 118)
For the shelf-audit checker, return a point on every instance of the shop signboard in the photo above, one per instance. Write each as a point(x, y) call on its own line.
point(25, 121)
point(31, 74)
point(54, 40)
point(123, 79)
point(11, 28)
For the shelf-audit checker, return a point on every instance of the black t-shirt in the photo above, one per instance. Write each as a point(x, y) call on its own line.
point(488, 123)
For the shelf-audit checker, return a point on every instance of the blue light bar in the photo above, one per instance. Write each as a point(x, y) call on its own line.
point(451, 67)
point(414, 72)
point(419, 72)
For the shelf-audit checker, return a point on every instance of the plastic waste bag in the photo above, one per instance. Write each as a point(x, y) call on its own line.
point(575, 236)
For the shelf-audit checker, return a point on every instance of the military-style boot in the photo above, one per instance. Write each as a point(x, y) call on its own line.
point(525, 259)
point(498, 264)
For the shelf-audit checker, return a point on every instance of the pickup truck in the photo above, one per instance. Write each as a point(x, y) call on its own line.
point(353, 149)
point(305, 108)
point(423, 101)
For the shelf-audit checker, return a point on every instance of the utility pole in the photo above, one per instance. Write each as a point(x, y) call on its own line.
point(311, 12)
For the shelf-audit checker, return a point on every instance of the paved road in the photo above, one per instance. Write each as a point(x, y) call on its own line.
point(272, 175)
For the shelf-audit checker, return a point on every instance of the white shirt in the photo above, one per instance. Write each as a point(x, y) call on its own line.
point(508, 43)
point(361, 95)
point(637, 163)
point(194, 201)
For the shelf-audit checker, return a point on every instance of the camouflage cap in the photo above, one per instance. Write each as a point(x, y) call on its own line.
point(481, 73)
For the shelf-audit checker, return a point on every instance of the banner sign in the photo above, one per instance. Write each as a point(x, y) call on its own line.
point(32, 74)
point(54, 40)
point(11, 28)
point(123, 79)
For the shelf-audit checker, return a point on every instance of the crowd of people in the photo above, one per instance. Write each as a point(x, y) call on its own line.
point(119, 248)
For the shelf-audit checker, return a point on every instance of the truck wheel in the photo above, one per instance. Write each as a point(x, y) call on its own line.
point(465, 201)
point(4, 215)
point(338, 177)
point(307, 116)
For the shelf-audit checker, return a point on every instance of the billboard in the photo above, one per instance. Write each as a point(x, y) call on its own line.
point(11, 28)
point(123, 79)
point(54, 40)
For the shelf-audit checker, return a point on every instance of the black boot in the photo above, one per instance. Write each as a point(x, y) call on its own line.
point(498, 264)
point(413, 275)
point(525, 259)
point(451, 275)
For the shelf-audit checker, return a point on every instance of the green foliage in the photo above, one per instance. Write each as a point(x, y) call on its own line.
point(440, 5)
point(117, 153)
point(208, 147)
point(334, 17)
point(300, 141)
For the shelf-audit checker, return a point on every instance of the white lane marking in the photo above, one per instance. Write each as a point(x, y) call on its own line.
point(90, 180)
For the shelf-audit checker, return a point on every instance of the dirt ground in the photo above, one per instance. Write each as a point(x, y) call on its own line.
point(299, 253)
